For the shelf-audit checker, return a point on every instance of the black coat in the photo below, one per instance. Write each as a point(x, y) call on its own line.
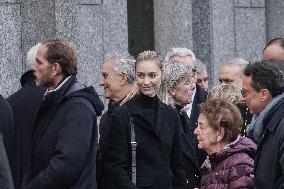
point(269, 159)
point(104, 128)
point(6, 125)
point(200, 96)
point(25, 104)
point(64, 141)
point(192, 169)
point(159, 154)
point(6, 181)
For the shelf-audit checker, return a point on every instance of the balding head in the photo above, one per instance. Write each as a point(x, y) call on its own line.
point(274, 50)
point(231, 72)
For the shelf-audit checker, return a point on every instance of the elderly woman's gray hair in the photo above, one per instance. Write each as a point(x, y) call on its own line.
point(31, 56)
point(179, 52)
point(174, 73)
point(124, 63)
point(228, 92)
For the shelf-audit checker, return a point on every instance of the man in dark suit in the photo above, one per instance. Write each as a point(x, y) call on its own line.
point(6, 125)
point(25, 104)
point(117, 78)
point(199, 95)
point(6, 181)
point(6, 134)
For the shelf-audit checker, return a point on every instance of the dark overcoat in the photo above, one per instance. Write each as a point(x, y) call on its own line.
point(269, 160)
point(192, 168)
point(25, 104)
point(6, 181)
point(159, 154)
point(6, 125)
point(64, 141)
point(104, 127)
point(200, 96)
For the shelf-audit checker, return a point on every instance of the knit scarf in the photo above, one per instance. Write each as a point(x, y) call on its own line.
point(255, 128)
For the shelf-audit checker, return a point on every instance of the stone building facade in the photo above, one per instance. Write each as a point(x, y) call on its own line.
point(216, 30)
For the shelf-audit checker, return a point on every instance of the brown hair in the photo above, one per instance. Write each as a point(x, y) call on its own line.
point(63, 53)
point(222, 113)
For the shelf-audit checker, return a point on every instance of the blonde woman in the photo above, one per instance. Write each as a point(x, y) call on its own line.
point(155, 161)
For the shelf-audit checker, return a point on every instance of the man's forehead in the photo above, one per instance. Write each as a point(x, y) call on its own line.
point(185, 59)
point(108, 65)
point(230, 69)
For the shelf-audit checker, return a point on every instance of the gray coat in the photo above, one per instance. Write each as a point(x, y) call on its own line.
point(6, 181)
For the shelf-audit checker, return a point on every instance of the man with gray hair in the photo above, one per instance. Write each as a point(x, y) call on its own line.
point(231, 72)
point(199, 95)
point(202, 75)
point(117, 78)
point(25, 104)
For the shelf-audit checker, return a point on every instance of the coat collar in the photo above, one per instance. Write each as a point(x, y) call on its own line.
point(136, 108)
point(271, 122)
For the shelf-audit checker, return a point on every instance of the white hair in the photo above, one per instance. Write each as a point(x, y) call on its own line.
point(178, 51)
point(174, 73)
point(239, 61)
point(31, 56)
point(124, 63)
point(200, 66)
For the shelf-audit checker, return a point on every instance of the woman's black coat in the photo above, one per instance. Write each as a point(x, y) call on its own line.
point(159, 154)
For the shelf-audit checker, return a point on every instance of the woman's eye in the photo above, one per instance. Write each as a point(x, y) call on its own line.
point(141, 76)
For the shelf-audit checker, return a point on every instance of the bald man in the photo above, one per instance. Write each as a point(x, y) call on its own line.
point(231, 72)
point(274, 50)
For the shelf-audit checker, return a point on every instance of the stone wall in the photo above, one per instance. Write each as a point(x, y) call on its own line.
point(217, 30)
point(95, 27)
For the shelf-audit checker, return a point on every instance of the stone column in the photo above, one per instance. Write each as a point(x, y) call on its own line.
point(10, 45)
point(172, 24)
point(274, 19)
point(224, 29)
point(95, 27)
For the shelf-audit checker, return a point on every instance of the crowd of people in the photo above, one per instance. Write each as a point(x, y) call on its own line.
point(164, 128)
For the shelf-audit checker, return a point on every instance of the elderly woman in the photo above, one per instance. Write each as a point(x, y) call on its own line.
point(176, 90)
point(230, 157)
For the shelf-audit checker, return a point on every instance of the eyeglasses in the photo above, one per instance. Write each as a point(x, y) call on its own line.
point(243, 92)
point(193, 72)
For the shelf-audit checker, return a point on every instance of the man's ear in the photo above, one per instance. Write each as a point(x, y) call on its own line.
point(123, 79)
point(56, 69)
point(265, 95)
